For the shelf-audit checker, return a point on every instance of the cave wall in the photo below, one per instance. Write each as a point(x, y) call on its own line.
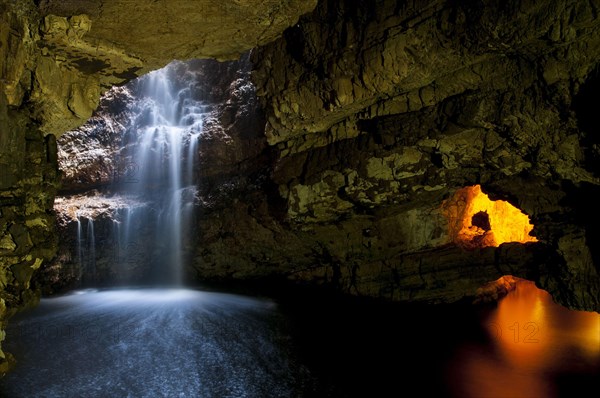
point(28, 182)
point(28, 178)
point(56, 59)
point(243, 230)
point(376, 112)
point(385, 106)
point(350, 191)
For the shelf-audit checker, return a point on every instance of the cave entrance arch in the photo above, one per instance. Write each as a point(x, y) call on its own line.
point(474, 220)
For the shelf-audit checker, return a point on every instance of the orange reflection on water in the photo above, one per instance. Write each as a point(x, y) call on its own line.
point(519, 326)
point(484, 377)
point(534, 328)
point(532, 338)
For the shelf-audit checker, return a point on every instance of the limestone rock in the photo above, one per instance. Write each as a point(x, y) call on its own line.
point(405, 104)
point(56, 58)
point(373, 114)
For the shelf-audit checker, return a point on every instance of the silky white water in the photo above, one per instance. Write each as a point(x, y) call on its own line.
point(156, 173)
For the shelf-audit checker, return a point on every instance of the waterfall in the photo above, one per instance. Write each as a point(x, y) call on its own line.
point(86, 250)
point(79, 248)
point(157, 169)
point(91, 249)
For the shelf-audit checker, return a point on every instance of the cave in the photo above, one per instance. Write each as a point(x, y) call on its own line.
point(299, 198)
point(476, 221)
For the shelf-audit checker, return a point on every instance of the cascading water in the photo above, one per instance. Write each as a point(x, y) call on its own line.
point(91, 248)
point(86, 249)
point(79, 251)
point(156, 167)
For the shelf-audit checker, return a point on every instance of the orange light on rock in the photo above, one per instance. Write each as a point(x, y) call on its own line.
point(476, 221)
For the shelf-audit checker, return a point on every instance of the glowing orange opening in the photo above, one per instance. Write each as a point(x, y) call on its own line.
point(477, 221)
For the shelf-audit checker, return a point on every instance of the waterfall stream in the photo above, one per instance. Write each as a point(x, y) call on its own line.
point(156, 167)
point(90, 268)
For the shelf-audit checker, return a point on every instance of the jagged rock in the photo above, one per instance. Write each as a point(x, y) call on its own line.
point(28, 182)
point(379, 58)
point(56, 59)
point(388, 106)
point(88, 154)
point(375, 113)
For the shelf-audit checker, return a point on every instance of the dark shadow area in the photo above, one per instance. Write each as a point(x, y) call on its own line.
point(585, 104)
point(482, 220)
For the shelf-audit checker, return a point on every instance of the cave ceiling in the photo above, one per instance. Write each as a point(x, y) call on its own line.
point(69, 52)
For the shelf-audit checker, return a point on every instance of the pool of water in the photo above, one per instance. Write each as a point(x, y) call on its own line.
point(191, 343)
point(150, 343)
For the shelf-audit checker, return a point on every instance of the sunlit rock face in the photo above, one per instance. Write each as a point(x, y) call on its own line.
point(476, 221)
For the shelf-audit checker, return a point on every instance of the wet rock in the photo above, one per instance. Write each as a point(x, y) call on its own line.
point(56, 58)
point(370, 116)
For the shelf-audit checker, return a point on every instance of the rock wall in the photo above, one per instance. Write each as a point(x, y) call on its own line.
point(28, 182)
point(56, 59)
point(375, 114)
point(28, 176)
point(388, 107)
point(350, 192)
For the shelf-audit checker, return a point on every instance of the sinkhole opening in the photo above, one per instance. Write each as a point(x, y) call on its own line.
point(474, 220)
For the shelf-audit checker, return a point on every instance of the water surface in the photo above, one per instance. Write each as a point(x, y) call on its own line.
point(150, 343)
point(190, 343)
